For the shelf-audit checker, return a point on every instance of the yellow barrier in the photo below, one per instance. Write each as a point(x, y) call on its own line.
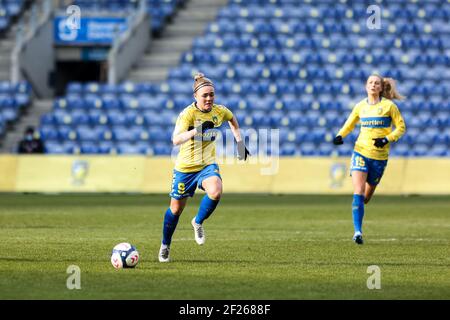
point(8, 167)
point(154, 175)
point(79, 174)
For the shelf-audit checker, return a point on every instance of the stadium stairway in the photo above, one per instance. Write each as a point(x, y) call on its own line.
point(165, 51)
point(6, 47)
point(30, 118)
point(8, 40)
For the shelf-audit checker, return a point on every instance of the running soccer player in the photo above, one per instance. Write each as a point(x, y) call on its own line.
point(196, 165)
point(377, 113)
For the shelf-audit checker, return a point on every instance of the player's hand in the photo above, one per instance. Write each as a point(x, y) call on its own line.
point(204, 126)
point(380, 142)
point(242, 151)
point(338, 140)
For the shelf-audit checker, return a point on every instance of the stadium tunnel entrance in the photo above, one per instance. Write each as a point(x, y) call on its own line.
point(78, 71)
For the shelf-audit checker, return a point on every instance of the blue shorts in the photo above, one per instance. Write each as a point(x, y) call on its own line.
point(184, 184)
point(374, 168)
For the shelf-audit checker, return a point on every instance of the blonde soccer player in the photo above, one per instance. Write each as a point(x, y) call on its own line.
point(377, 115)
point(196, 165)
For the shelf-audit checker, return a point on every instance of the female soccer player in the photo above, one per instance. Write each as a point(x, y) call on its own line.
point(195, 165)
point(377, 113)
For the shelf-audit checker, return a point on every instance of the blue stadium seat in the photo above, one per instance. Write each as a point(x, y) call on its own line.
point(89, 148)
point(129, 148)
point(117, 118)
point(88, 133)
point(400, 150)
point(111, 101)
point(289, 149)
point(122, 133)
point(325, 150)
point(162, 149)
point(106, 147)
point(48, 132)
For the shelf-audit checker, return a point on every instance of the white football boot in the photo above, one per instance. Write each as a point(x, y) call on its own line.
point(164, 253)
point(198, 232)
point(357, 237)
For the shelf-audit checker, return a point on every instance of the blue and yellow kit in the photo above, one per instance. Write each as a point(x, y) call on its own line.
point(200, 151)
point(376, 122)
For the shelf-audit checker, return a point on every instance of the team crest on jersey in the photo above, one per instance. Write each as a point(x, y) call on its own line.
point(380, 110)
point(215, 120)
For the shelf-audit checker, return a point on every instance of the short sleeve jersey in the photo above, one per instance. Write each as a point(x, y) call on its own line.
point(199, 151)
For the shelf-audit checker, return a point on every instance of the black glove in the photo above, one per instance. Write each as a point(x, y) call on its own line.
point(338, 140)
point(242, 151)
point(204, 126)
point(380, 142)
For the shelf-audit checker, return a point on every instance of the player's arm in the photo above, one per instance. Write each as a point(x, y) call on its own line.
point(181, 134)
point(348, 126)
point(234, 126)
point(350, 123)
point(399, 123)
point(243, 152)
point(182, 131)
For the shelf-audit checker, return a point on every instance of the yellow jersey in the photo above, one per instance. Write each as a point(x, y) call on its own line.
point(199, 151)
point(376, 122)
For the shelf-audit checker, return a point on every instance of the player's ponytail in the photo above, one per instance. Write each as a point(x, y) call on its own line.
point(201, 81)
point(389, 89)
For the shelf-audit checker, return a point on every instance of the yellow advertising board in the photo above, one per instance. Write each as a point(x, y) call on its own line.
point(139, 174)
point(8, 165)
point(79, 174)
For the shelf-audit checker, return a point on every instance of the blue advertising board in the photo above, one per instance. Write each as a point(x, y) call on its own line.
point(90, 31)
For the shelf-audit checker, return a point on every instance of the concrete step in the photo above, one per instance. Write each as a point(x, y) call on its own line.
point(5, 62)
point(7, 43)
point(195, 4)
point(188, 30)
point(150, 74)
point(205, 15)
point(170, 44)
point(159, 59)
point(4, 75)
point(6, 51)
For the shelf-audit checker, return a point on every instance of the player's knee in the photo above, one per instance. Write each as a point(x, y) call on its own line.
point(215, 193)
point(359, 188)
point(176, 209)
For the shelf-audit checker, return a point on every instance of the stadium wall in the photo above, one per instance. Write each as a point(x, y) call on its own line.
point(138, 174)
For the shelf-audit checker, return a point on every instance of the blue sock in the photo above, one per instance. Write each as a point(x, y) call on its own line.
point(207, 207)
point(358, 211)
point(170, 224)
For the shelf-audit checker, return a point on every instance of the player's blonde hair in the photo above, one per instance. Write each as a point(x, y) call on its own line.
point(388, 88)
point(201, 81)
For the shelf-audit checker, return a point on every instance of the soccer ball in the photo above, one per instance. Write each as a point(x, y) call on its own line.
point(124, 255)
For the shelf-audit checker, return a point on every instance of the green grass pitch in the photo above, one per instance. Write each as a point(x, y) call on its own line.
point(258, 247)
